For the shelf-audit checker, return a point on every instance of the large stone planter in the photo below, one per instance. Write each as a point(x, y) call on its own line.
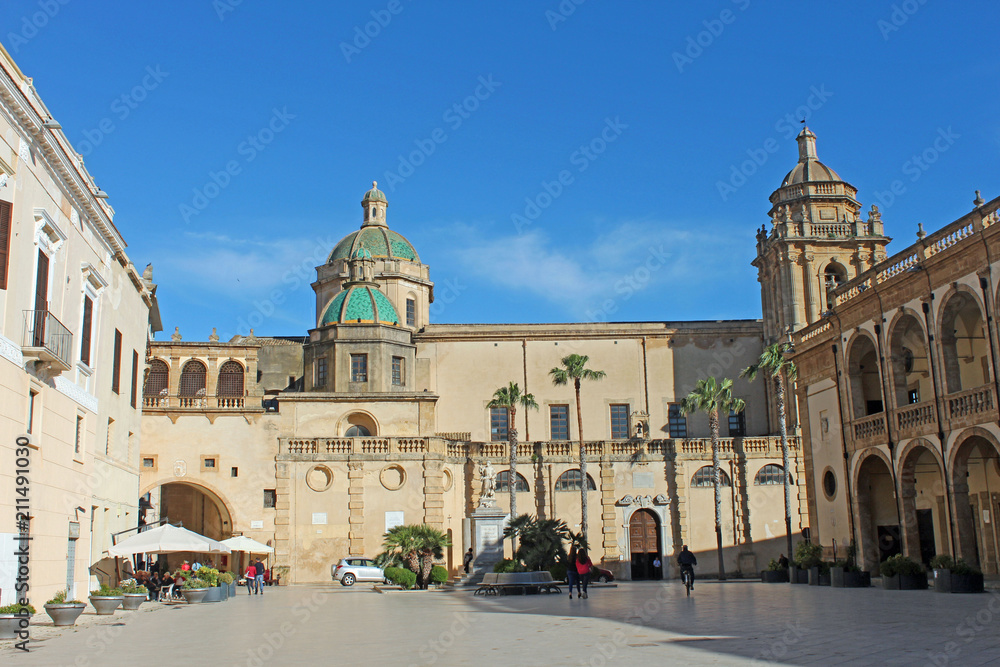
point(10, 625)
point(224, 590)
point(774, 576)
point(942, 581)
point(798, 575)
point(194, 595)
point(850, 579)
point(106, 605)
point(905, 582)
point(214, 594)
point(966, 583)
point(132, 601)
point(813, 576)
point(232, 589)
point(64, 614)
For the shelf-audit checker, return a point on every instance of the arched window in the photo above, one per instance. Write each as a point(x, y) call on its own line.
point(357, 431)
point(770, 475)
point(503, 482)
point(703, 478)
point(571, 480)
point(230, 379)
point(157, 380)
point(193, 379)
point(833, 277)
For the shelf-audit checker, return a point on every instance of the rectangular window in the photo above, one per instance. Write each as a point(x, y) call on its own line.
point(148, 463)
point(677, 421)
point(498, 423)
point(86, 330)
point(737, 424)
point(5, 210)
point(78, 441)
point(397, 371)
point(411, 313)
point(913, 396)
point(270, 498)
point(234, 472)
point(116, 367)
point(619, 421)
point(320, 373)
point(135, 376)
point(32, 397)
point(209, 463)
point(359, 368)
point(559, 422)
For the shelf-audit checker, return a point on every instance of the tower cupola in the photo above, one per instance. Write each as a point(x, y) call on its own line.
point(374, 204)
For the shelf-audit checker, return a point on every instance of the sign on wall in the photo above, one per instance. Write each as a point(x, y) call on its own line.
point(393, 519)
point(257, 525)
point(319, 518)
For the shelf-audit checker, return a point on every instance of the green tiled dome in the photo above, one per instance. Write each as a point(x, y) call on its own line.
point(381, 242)
point(374, 194)
point(360, 302)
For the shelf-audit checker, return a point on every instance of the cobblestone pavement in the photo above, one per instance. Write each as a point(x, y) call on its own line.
point(735, 623)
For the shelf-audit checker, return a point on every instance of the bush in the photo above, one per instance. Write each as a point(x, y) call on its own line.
point(942, 562)
point(558, 571)
point(439, 575)
point(401, 577)
point(16, 608)
point(225, 578)
point(209, 575)
point(774, 567)
point(106, 592)
point(808, 555)
point(195, 583)
point(963, 568)
point(508, 565)
point(60, 598)
point(900, 564)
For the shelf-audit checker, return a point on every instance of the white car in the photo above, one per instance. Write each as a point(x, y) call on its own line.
point(350, 570)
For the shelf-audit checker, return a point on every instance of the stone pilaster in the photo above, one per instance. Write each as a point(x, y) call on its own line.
point(356, 507)
point(434, 493)
point(284, 540)
point(608, 528)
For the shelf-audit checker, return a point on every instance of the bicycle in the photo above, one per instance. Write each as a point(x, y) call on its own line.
point(687, 576)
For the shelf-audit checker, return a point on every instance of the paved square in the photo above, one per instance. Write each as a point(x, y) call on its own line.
point(637, 623)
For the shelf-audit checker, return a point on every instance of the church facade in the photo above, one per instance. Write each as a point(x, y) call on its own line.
point(317, 444)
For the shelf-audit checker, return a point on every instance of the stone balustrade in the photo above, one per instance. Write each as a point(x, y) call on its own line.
point(201, 403)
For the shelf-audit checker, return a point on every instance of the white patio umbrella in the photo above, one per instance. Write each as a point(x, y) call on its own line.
point(247, 544)
point(167, 539)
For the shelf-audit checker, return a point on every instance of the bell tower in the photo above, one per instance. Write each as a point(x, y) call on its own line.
point(818, 240)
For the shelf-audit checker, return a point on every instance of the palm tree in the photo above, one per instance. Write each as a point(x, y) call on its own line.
point(509, 398)
point(540, 541)
point(418, 546)
point(711, 397)
point(773, 362)
point(574, 367)
point(432, 545)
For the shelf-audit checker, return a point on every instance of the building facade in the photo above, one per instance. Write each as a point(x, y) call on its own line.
point(75, 319)
point(379, 417)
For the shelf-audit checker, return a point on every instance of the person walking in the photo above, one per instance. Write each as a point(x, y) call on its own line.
point(467, 560)
point(583, 565)
point(251, 576)
point(259, 576)
point(572, 579)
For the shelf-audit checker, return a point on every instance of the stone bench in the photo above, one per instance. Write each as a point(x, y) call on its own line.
point(505, 582)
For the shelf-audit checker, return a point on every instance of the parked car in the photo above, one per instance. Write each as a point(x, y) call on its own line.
point(600, 574)
point(350, 570)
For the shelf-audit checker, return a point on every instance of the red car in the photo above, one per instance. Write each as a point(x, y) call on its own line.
point(600, 574)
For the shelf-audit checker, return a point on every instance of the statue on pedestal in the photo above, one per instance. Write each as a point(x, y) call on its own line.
point(489, 475)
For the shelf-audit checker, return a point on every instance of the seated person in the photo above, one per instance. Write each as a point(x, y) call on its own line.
point(267, 577)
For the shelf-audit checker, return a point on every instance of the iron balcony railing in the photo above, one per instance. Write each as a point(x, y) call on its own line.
point(46, 339)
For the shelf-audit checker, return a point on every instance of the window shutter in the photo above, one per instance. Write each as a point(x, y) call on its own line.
point(117, 368)
point(5, 211)
point(135, 375)
point(85, 333)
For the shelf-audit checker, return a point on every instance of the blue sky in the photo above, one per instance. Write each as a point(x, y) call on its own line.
point(237, 137)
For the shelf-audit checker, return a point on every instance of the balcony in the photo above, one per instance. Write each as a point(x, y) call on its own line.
point(177, 403)
point(46, 340)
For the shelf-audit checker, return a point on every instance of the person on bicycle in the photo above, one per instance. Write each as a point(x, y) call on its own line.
point(687, 561)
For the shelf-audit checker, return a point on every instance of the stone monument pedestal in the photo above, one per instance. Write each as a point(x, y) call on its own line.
point(487, 537)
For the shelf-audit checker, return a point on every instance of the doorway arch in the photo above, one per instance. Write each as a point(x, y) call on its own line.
point(923, 502)
point(975, 474)
point(878, 521)
point(645, 545)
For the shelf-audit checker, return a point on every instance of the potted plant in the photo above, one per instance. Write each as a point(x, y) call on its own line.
point(14, 618)
point(211, 578)
point(133, 594)
point(808, 557)
point(279, 572)
point(106, 599)
point(942, 566)
point(774, 573)
point(845, 574)
point(966, 578)
point(194, 590)
point(62, 611)
point(226, 579)
point(902, 573)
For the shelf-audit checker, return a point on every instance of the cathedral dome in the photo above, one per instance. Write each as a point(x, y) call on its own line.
point(360, 304)
point(809, 168)
point(381, 242)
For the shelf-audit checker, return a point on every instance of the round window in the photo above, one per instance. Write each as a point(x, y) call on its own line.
point(319, 478)
point(393, 477)
point(829, 484)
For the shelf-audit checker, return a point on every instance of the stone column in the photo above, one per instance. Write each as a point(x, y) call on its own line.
point(608, 510)
point(434, 493)
point(813, 296)
point(356, 506)
point(795, 306)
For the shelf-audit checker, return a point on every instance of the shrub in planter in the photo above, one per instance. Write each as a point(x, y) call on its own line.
point(439, 575)
point(508, 565)
point(808, 555)
point(844, 574)
point(194, 590)
point(558, 572)
point(965, 578)
point(106, 599)
point(209, 575)
point(942, 566)
point(902, 573)
point(62, 611)
point(401, 577)
point(14, 618)
point(774, 573)
point(133, 594)
point(226, 579)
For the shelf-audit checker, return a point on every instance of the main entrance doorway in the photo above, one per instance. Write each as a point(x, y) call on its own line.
point(644, 545)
